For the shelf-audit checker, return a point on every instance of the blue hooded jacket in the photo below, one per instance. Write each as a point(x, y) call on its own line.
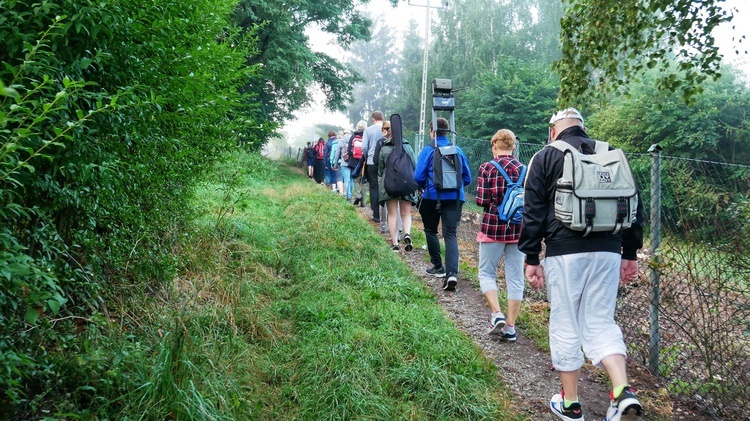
point(423, 174)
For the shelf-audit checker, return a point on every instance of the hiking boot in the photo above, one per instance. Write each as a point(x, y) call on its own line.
point(407, 242)
point(437, 271)
point(496, 325)
point(449, 284)
point(394, 248)
point(625, 407)
point(573, 412)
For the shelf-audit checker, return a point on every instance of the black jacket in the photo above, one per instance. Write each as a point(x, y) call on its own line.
point(539, 222)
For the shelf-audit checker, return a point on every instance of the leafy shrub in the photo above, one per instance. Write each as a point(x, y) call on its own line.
point(109, 115)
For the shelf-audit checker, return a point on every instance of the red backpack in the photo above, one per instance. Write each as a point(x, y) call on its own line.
point(357, 146)
point(320, 149)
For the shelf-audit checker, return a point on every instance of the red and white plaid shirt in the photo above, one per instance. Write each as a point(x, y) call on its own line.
point(490, 193)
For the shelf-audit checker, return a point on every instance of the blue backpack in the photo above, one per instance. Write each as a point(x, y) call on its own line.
point(511, 208)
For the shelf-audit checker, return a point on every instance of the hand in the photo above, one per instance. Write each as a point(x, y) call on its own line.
point(535, 276)
point(628, 271)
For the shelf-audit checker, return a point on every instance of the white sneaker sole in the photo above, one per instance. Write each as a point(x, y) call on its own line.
point(497, 329)
point(633, 411)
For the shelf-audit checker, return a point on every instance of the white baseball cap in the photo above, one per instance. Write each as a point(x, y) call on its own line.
point(566, 113)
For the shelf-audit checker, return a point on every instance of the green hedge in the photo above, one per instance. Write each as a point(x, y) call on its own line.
point(109, 114)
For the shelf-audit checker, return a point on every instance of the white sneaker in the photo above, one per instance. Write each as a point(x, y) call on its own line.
point(497, 324)
point(573, 413)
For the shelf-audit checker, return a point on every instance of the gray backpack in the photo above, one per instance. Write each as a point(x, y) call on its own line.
point(596, 192)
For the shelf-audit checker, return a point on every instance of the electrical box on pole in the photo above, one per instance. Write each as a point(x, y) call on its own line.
point(443, 100)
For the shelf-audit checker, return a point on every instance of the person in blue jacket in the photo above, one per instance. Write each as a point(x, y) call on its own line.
point(449, 210)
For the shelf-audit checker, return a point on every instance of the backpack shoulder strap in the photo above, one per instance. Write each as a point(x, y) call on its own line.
point(502, 171)
point(562, 146)
point(505, 175)
point(522, 177)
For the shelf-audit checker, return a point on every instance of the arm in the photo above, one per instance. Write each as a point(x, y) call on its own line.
point(535, 209)
point(336, 156)
point(465, 170)
point(365, 143)
point(632, 240)
point(350, 147)
point(421, 172)
point(483, 188)
point(380, 159)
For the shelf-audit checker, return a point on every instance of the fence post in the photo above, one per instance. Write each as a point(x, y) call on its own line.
point(655, 293)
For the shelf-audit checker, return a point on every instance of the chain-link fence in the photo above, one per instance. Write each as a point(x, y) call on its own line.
point(687, 317)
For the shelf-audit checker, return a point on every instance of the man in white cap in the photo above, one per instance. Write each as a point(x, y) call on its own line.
point(582, 276)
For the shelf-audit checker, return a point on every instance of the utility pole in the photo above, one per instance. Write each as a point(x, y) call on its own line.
point(423, 101)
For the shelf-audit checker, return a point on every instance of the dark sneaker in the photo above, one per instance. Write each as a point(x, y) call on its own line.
point(376, 220)
point(573, 412)
point(625, 407)
point(437, 271)
point(449, 284)
point(394, 248)
point(496, 325)
point(407, 243)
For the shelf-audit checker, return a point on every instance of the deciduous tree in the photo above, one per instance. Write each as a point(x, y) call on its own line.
point(606, 43)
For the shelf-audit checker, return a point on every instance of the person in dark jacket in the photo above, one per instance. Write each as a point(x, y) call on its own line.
point(310, 159)
point(319, 169)
point(582, 275)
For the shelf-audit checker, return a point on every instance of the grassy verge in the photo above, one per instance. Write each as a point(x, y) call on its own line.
point(287, 306)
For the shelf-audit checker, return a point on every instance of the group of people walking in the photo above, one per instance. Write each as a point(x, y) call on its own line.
point(581, 272)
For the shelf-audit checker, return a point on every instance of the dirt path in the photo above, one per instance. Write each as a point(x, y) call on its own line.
point(525, 369)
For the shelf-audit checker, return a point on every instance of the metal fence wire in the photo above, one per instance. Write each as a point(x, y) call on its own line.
point(687, 317)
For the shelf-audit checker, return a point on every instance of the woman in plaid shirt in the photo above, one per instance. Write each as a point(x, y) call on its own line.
point(498, 238)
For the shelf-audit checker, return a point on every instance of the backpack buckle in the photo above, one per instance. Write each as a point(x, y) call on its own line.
point(622, 209)
point(589, 211)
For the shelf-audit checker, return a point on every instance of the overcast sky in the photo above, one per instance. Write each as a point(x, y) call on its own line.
point(401, 16)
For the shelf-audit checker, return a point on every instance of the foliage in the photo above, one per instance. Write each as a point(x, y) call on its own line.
point(605, 44)
point(109, 114)
point(379, 68)
point(289, 69)
point(408, 80)
point(474, 36)
point(713, 127)
point(246, 333)
point(520, 97)
point(470, 43)
point(337, 344)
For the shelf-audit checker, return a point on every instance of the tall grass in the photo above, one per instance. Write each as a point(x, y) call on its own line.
point(287, 305)
point(355, 334)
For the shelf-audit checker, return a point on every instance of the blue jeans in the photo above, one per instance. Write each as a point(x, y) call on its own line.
point(449, 215)
point(346, 171)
